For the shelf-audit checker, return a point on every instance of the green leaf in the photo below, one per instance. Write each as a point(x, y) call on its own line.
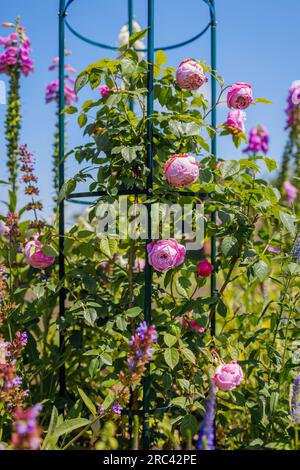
point(53, 421)
point(229, 246)
point(49, 441)
point(133, 312)
point(189, 355)
point(170, 340)
point(93, 366)
point(106, 359)
point(262, 100)
point(129, 154)
point(82, 120)
point(38, 291)
point(168, 278)
point(160, 58)
point(180, 401)
point(87, 105)
point(70, 425)
point(69, 110)
point(87, 401)
point(171, 356)
point(293, 268)
point(109, 399)
point(192, 128)
point(176, 128)
point(113, 100)
point(49, 251)
point(261, 270)
point(67, 188)
point(92, 352)
point(121, 323)
point(137, 36)
point(108, 246)
point(81, 81)
point(128, 66)
point(289, 222)
point(221, 308)
point(229, 168)
point(90, 316)
point(189, 426)
point(181, 285)
point(270, 163)
point(84, 234)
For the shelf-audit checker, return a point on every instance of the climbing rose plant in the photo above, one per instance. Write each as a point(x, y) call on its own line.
point(227, 391)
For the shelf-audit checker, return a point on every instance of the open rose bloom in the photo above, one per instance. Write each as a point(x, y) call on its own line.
point(35, 256)
point(239, 96)
point(228, 376)
point(165, 254)
point(181, 170)
point(190, 75)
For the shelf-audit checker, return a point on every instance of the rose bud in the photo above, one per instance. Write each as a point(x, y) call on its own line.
point(204, 268)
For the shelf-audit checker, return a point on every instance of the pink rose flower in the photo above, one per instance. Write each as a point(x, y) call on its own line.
point(105, 91)
point(181, 170)
point(291, 192)
point(239, 96)
point(186, 322)
point(204, 268)
point(165, 254)
point(183, 322)
point(190, 75)
point(228, 376)
point(196, 327)
point(35, 256)
point(235, 121)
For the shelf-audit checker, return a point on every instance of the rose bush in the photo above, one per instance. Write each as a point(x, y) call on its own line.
point(240, 377)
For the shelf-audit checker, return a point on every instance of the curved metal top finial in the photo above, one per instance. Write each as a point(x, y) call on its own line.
point(210, 3)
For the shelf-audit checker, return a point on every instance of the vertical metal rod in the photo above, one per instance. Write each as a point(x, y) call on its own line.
point(130, 30)
point(131, 106)
point(214, 152)
point(130, 17)
point(61, 178)
point(148, 270)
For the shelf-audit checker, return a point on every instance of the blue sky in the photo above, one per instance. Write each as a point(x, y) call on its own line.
point(257, 43)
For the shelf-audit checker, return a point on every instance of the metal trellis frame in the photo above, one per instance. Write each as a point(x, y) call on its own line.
point(146, 412)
